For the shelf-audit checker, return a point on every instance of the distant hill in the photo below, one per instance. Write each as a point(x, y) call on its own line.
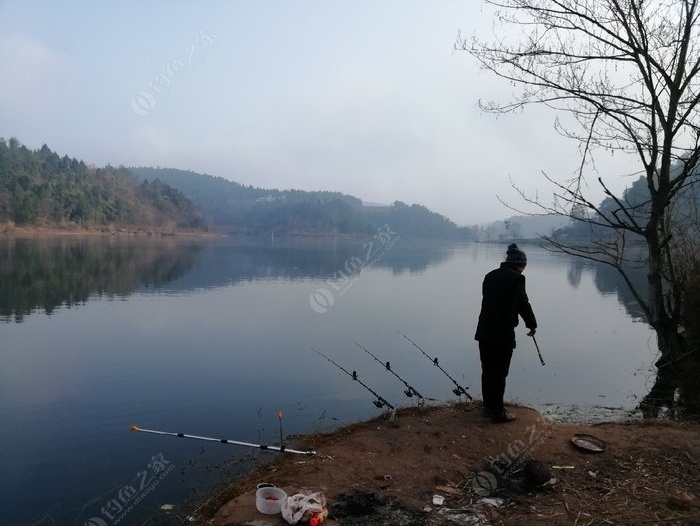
point(238, 208)
point(40, 187)
point(684, 211)
point(520, 227)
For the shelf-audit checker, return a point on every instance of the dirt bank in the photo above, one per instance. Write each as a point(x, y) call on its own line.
point(69, 229)
point(382, 472)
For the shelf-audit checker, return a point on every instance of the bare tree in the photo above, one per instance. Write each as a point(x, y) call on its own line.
point(627, 72)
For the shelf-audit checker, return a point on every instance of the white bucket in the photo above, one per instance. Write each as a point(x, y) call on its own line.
point(269, 499)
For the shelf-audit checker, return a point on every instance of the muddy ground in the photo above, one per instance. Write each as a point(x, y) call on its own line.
point(382, 472)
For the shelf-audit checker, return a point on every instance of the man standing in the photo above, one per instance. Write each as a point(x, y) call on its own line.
point(504, 299)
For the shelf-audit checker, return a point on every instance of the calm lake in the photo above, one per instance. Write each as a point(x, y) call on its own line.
point(213, 338)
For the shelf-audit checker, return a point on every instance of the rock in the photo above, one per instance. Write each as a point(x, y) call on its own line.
point(683, 501)
point(536, 472)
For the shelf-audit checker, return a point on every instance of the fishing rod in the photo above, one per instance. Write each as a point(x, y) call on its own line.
point(538, 348)
point(379, 402)
point(410, 390)
point(281, 449)
point(458, 389)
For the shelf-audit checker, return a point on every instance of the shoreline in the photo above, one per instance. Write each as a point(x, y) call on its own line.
point(44, 231)
point(650, 468)
point(35, 231)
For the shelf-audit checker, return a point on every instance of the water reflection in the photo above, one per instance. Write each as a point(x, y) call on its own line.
point(675, 393)
point(43, 275)
point(234, 261)
point(231, 344)
point(609, 281)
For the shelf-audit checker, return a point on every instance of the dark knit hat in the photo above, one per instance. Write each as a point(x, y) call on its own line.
point(515, 255)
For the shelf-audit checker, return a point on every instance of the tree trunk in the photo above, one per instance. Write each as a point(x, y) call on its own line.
point(670, 343)
point(666, 324)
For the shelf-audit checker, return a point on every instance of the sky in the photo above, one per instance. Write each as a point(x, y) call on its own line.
point(365, 97)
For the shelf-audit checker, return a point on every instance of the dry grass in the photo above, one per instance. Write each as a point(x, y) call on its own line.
point(649, 474)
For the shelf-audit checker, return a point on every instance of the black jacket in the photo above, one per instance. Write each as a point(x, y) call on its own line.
point(504, 298)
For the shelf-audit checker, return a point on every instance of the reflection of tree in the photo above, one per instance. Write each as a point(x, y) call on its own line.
point(676, 391)
point(574, 273)
point(609, 281)
point(302, 258)
point(46, 274)
point(407, 256)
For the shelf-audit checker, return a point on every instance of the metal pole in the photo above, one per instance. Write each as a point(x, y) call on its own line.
point(281, 449)
point(538, 349)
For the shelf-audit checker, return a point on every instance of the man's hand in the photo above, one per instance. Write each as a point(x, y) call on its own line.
point(532, 332)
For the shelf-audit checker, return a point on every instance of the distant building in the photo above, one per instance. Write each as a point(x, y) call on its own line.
point(370, 204)
point(268, 199)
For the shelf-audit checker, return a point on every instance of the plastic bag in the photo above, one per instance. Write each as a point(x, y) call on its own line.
point(301, 506)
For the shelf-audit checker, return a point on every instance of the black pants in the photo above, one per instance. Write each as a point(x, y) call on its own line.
point(495, 363)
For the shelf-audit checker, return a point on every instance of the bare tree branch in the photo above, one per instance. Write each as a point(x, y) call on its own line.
point(628, 72)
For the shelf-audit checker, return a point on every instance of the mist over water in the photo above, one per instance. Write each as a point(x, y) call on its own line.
point(213, 338)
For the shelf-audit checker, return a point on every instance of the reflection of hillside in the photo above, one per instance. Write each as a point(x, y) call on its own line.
point(230, 262)
point(48, 273)
point(609, 281)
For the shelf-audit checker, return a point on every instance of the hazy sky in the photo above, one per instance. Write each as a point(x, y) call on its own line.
point(366, 97)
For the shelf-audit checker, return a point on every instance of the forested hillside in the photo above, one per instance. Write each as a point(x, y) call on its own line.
point(247, 209)
point(685, 211)
point(40, 187)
